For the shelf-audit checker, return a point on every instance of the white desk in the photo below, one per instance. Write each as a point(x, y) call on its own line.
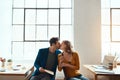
point(22, 72)
point(96, 74)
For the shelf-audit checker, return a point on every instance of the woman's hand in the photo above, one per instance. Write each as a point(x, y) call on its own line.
point(64, 65)
point(61, 58)
point(0, 58)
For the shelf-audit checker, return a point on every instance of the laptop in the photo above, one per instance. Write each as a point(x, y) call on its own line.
point(108, 59)
point(105, 64)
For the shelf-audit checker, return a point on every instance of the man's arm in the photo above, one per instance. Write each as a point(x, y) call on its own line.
point(37, 62)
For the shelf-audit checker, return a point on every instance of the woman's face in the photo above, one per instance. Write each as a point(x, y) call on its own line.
point(63, 46)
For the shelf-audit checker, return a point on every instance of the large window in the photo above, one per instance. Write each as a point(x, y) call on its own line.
point(34, 22)
point(110, 27)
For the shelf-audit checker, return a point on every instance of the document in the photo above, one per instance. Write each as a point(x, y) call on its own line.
point(50, 72)
point(104, 71)
point(2, 70)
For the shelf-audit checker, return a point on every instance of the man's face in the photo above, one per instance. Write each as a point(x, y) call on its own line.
point(57, 44)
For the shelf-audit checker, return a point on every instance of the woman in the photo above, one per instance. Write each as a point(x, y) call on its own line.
point(69, 62)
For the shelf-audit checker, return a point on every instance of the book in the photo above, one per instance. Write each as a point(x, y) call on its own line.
point(50, 72)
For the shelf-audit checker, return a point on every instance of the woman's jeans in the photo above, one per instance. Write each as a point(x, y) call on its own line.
point(79, 77)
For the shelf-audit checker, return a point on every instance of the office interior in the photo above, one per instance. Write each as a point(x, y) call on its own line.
point(87, 32)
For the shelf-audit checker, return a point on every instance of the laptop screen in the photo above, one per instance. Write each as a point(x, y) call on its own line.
point(108, 59)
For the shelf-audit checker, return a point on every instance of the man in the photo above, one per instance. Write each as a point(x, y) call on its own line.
point(47, 60)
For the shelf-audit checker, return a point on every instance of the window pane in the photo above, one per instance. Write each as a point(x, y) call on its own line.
point(65, 3)
point(42, 3)
point(29, 32)
point(66, 32)
point(65, 16)
point(41, 16)
point(115, 3)
point(29, 50)
point(115, 33)
point(115, 49)
point(41, 33)
point(116, 17)
point(30, 3)
point(53, 31)
point(105, 3)
point(18, 3)
point(30, 16)
point(17, 50)
point(17, 33)
point(40, 45)
point(106, 48)
point(53, 17)
point(54, 4)
point(18, 16)
point(105, 33)
point(105, 16)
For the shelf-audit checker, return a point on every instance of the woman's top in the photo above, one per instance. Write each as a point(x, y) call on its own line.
point(69, 72)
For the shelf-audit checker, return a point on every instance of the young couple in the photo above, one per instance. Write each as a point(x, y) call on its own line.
point(49, 58)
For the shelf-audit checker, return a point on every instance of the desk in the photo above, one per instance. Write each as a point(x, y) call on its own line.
point(96, 74)
point(22, 72)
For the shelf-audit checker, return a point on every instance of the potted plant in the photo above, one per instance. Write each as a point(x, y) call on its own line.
point(9, 62)
point(3, 62)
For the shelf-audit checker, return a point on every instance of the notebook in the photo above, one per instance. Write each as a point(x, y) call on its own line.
point(50, 72)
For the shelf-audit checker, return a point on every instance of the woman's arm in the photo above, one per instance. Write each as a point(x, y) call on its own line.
point(60, 59)
point(76, 60)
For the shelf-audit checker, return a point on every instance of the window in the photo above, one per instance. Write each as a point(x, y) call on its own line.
point(115, 24)
point(110, 13)
point(34, 22)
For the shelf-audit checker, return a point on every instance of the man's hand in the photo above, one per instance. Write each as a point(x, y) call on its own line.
point(41, 69)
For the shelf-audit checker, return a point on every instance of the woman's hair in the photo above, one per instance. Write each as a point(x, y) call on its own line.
point(68, 46)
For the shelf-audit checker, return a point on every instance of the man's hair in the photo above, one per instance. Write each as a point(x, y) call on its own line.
point(53, 40)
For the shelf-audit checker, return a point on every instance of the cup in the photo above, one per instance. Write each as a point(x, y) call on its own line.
point(110, 66)
point(114, 64)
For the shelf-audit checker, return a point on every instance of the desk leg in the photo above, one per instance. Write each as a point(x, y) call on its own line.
point(95, 77)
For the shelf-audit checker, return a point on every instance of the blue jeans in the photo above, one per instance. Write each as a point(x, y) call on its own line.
point(79, 77)
point(43, 76)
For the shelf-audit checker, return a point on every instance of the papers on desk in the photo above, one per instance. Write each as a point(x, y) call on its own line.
point(98, 66)
point(50, 72)
point(2, 70)
point(104, 71)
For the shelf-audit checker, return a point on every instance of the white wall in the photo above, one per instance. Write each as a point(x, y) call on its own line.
point(87, 31)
